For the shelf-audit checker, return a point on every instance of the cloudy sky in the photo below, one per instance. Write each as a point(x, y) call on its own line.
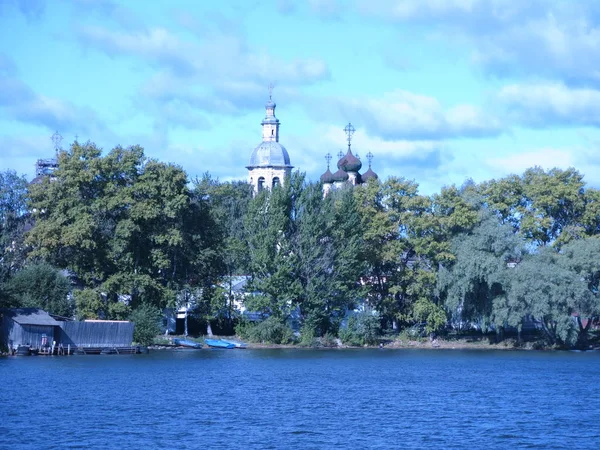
point(439, 91)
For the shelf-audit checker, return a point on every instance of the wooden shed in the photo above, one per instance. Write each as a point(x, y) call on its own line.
point(96, 333)
point(27, 326)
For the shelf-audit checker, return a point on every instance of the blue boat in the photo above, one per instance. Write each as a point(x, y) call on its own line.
point(236, 344)
point(218, 343)
point(187, 343)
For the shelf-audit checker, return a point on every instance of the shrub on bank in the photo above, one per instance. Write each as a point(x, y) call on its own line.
point(362, 329)
point(147, 324)
point(269, 331)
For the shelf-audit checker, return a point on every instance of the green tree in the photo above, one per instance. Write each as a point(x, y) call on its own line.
point(269, 230)
point(477, 279)
point(146, 318)
point(42, 286)
point(581, 257)
point(540, 286)
point(125, 225)
point(13, 219)
point(327, 242)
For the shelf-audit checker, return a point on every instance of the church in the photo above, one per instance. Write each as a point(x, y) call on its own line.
point(270, 161)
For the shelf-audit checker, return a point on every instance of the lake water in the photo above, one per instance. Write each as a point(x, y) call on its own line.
point(308, 399)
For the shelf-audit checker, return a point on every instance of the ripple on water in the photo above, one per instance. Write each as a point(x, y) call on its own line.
point(302, 399)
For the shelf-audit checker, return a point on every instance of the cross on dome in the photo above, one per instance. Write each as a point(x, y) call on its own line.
point(349, 129)
point(56, 140)
point(370, 158)
point(270, 87)
point(328, 159)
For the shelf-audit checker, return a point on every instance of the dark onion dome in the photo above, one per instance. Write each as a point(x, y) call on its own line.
point(327, 177)
point(349, 163)
point(340, 176)
point(368, 175)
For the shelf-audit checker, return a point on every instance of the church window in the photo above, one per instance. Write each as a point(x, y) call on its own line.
point(261, 183)
point(276, 182)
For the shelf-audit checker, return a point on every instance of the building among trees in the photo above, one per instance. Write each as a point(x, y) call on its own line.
point(348, 167)
point(270, 162)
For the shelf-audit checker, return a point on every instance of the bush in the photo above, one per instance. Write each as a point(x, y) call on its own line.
point(269, 331)
point(147, 323)
point(362, 329)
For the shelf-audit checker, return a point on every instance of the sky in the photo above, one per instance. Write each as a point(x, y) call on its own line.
point(439, 91)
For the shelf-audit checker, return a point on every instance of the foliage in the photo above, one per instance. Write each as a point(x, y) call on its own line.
point(477, 277)
point(269, 331)
point(13, 220)
point(123, 224)
point(147, 323)
point(363, 328)
point(88, 303)
point(40, 285)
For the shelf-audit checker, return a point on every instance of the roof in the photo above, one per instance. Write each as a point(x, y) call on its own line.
point(29, 316)
point(269, 154)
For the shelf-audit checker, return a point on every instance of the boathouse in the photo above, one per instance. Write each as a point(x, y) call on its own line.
point(96, 333)
point(27, 326)
point(35, 328)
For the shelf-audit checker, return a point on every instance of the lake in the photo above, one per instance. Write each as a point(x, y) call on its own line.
point(309, 399)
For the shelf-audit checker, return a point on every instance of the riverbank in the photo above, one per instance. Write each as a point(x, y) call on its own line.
point(459, 343)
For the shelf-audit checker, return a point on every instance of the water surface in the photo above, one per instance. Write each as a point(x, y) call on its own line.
point(321, 399)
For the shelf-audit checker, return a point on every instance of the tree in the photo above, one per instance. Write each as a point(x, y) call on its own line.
point(13, 220)
point(473, 283)
point(540, 286)
point(42, 286)
point(327, 242)
point(269, 229)
point(147, 323)
point(582, 258)
point(123, 224)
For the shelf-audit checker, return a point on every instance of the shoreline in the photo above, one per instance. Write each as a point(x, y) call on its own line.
point(438, 344)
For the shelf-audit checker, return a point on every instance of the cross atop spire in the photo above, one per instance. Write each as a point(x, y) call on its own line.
point(370, 158)
point(56, 140)
point(270, 87)
point(328, 158)
point(349, 129)
point(340, 154)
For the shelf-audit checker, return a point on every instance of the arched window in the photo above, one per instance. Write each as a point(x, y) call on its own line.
point(261, 183)
point(276, 182)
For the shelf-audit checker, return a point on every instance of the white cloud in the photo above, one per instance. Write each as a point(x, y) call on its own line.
point(217, 57)
point(550, 104)
point(584, 159)
point(400, 114)
point(555, 39)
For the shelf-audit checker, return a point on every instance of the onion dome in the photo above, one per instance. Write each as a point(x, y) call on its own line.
point(349, 163)
point(340, 176)
point(368, 175)
point(327, 177)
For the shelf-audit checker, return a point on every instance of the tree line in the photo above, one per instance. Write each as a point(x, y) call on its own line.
point(121, 234)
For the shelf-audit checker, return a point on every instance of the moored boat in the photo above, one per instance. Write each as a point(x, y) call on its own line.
point(236, 344)
point(187, 343)
point(218, 343)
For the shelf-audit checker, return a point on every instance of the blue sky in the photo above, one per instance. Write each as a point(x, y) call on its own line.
point(439, 91)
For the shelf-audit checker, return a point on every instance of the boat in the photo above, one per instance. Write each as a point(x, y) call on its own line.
point(218, 343)
point(187, 343)
point(236, 344)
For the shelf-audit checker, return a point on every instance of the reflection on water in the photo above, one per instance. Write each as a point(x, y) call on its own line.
point(302, 399)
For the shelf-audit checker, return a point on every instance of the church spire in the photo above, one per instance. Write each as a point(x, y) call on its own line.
point(270, 123)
